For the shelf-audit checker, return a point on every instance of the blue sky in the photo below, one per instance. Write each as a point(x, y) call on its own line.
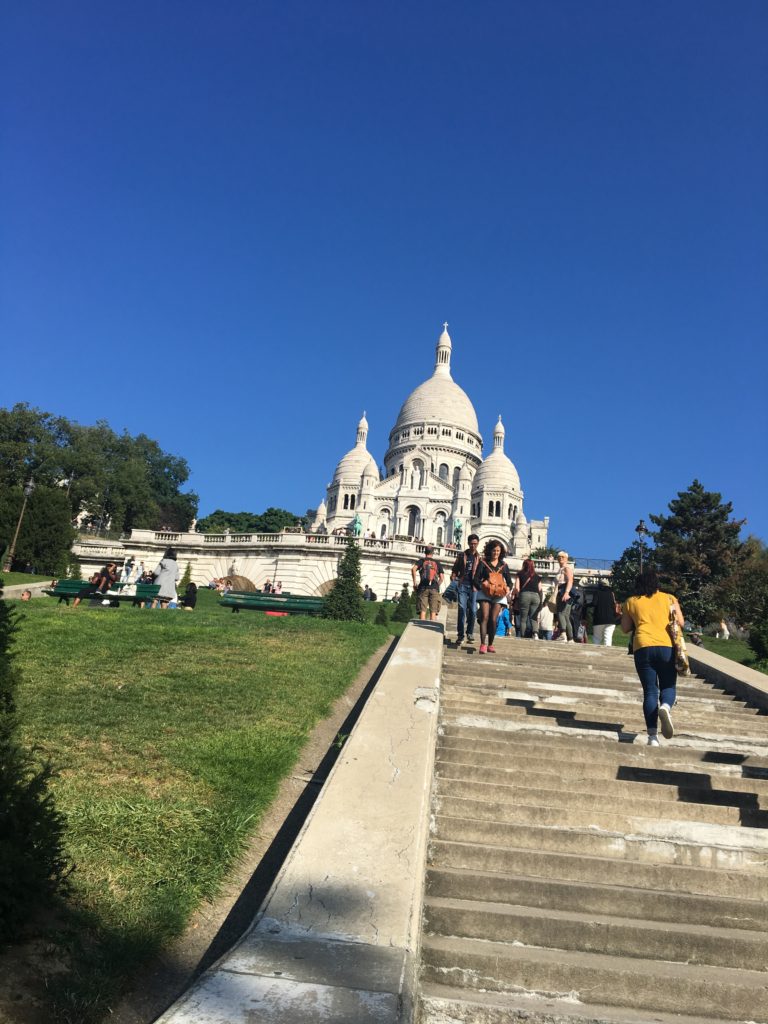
point(235, 226)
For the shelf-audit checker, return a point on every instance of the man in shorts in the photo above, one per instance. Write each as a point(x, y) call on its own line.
point(427, 576)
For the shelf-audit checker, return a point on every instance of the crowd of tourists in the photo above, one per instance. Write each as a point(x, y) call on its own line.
point(499, 603)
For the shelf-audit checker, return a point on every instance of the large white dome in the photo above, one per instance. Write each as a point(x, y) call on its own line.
point(439, 399)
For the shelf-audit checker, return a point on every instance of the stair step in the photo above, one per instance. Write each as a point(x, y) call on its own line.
point(730, 993)
point(586, 866)
point(531, 807)
point(441, 1004)
point(598, 933)
point(598, 898)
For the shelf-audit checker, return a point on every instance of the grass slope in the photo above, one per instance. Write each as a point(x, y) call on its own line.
point(171, 732)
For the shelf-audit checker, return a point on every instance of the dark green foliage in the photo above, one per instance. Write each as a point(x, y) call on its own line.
point(272, 520)
point(381, 615)
point(112, 478)
point(345, 600)
point(186, 579)
point(550, 551)
point(758, 640)
point(697, 550)
point(406, 606)
point(627, 566)
point(746, 594)
point(46, 532)
point(32, 863)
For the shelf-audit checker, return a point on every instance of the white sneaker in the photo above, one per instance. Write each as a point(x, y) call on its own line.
point(535, 636)
point(562, 639)
point(665, 720)
point(653, 741)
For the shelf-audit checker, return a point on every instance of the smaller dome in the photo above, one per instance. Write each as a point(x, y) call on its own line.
point(497, 472)
point(359, 462)
point(356, 464)
point(465, 473)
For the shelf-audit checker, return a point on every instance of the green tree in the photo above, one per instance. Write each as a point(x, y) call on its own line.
point(345, 601)
point(46, 533)
point(550, 551)
point(32, 861)
point(697, 550)
point(406, 606)
point(186, 579)
point(381, 615)
point(627, 566)
point(273, 520)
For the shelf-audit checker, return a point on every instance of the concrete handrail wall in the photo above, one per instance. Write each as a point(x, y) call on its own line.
point(746, 683)
point(337, 936)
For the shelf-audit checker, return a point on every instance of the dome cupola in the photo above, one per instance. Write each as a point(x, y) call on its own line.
point(358, 462)
point(497, 472)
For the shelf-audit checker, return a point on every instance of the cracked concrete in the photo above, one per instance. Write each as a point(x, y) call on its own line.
point(336, 937)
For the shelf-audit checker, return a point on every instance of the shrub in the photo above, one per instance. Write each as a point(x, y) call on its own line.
point(32, 862)
point(381, 615)
point(758, 640)
point(406, 606)
point(186, 579)
point(345, 601)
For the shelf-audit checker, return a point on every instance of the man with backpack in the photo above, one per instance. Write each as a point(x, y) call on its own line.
point(427, 577)
point(464, 571)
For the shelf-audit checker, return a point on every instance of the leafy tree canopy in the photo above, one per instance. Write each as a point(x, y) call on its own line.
point(98, 475)
point(272, 520)
point(697, 549)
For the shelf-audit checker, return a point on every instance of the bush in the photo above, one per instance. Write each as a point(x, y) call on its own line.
point(381, 615)
point(758, 640)
point(345, 601)
point(406, 606)
point(32, 862)
point(186, 579)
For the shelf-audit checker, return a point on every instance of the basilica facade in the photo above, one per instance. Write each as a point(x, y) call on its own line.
point(435, 486)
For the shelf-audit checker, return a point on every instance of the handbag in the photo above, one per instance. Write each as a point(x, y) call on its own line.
point(451, 592)
point(678, 643)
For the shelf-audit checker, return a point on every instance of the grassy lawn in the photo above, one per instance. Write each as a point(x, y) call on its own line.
point(171, 732)
point(12, 579)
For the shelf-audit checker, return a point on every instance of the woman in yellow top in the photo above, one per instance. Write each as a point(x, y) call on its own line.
point(648, 614)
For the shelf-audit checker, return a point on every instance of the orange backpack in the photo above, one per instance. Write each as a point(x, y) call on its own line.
point(495, 585)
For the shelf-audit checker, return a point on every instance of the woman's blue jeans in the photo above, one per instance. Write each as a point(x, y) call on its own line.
point(467, 609)
point(656, 668)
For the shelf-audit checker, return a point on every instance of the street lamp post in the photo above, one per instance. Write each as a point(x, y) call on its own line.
point(29, 486)
point(641, 532)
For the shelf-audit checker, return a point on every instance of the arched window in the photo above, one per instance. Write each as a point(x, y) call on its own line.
point(455, 475)
point(490, 508)
point(443, 472)
point(413, 521)
point(352, 501)
point(498, 509)
point(383, 532)
point(439, 535)
point(346, 501)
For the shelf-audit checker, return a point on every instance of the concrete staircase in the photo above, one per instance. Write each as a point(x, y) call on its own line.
point(574, 873)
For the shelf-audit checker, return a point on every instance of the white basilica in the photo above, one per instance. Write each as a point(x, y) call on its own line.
point(436, 486)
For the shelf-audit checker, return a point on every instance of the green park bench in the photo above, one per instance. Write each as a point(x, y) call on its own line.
point(258, 602)
point(65, 590)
